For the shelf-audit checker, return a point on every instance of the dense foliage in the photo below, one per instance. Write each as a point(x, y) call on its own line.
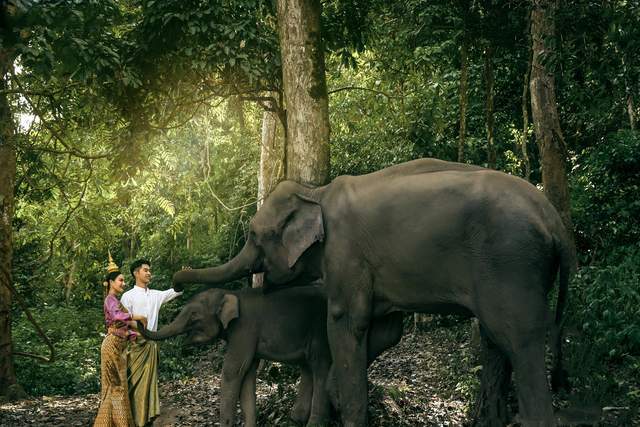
point(140, 132)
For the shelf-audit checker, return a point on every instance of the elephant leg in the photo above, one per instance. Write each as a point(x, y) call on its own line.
point(534, 398)
point(248, 396)
point(320, 409)
point(302, 407)
point(347, 332)
point(234, 370)
point(332, 388)
point(490, 408)
point(519, 329)
point(384, 333)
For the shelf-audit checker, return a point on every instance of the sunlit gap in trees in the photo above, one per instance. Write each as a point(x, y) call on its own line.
point(25, 120)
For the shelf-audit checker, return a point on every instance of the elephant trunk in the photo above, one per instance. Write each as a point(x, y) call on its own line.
point(177, 327)
point(241, 265)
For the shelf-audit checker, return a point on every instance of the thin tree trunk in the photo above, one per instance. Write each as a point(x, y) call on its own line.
point(464, 82)
point(305, 90)
point(489, 112)
point(544, 110)
point(236, 104)
point(629, 95)
point(524, 138)
point(271, 164)
point(271, 155)
point(70, 279)
point(8, 379)
point(628, 91)
point(631, 109)
point(525, 122)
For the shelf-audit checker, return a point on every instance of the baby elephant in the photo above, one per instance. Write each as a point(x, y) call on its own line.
point(288, 326)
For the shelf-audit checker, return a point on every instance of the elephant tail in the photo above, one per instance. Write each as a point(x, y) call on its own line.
point(559, 376)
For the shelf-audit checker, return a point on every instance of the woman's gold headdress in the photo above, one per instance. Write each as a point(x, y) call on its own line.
point(112, 265)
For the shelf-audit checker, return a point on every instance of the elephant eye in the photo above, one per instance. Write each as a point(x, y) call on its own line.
point(270, 234)
point(195, 317)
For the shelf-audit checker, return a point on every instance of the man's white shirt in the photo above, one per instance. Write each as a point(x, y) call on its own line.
point(147, 302)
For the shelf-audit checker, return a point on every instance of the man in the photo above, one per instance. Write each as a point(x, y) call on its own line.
point(142, 361)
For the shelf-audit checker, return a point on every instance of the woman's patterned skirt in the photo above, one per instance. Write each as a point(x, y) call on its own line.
point(115, 409)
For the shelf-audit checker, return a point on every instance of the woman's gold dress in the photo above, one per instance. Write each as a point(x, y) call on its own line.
point(115, 408)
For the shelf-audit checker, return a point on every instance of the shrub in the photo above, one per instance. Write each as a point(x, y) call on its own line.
point(77, 336)
point(605, 186)
point(606, 304)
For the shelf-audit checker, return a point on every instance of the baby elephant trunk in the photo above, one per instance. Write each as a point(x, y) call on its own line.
point(177, 327)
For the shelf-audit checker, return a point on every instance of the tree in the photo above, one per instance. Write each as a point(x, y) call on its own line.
point(553, 150)
point(7, 182)
point(489, 112)
point(305, 91)
point(272, 162)
point(8, 381)
point(464, 77)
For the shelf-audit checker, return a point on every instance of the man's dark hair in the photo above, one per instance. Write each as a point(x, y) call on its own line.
point(137, 264)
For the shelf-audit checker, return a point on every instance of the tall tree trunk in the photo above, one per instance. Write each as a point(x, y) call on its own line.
point(7, 182)
point(305, 91)
point(489, 112)
point(544, 110)
point(464, 83)
point(525, 122)
point(271, 164)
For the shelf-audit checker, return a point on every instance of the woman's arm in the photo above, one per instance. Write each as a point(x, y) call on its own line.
point(137, 318)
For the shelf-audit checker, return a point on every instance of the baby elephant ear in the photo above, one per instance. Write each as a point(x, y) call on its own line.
point(228, 309)
point(303, 229)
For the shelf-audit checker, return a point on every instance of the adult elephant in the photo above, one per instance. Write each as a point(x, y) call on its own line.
point(426, 236)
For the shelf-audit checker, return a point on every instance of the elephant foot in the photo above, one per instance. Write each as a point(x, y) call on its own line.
point(317, 421)
point(333, 396)
point(299, 414)
point(551, 422)
point(489, 422)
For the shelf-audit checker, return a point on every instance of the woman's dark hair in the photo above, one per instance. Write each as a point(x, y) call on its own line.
point(110, 277)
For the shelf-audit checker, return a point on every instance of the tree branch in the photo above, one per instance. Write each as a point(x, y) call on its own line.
point(379, 92)
point(39, 330)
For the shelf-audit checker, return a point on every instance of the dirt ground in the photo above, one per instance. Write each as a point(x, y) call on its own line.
point(428, 379)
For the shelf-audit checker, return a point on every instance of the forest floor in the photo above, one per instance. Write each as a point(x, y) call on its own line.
point(428, 379)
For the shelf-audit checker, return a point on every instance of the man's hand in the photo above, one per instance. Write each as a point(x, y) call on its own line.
point(142, 320)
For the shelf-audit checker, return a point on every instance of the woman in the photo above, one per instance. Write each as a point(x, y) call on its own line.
point(115, 409)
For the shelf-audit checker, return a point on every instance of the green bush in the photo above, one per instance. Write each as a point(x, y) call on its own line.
point(606, 304)
point(76, 339)
point(605, 183)
point(77, 336)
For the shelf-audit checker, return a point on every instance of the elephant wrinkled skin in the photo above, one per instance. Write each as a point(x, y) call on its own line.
point(286, 326)
point(424, 236)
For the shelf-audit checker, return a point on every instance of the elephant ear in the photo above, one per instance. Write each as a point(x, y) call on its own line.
point(228, 309)
point(303, 229)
